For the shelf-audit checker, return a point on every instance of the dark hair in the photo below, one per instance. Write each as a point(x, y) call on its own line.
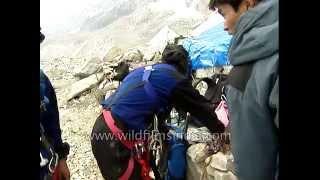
point(177, 56)
point(233, 3)
point(42, 36)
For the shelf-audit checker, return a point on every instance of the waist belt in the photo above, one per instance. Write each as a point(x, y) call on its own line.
point(137, 149)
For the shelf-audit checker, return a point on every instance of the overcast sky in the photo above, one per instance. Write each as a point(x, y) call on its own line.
point(63, 16)
point(55, 14)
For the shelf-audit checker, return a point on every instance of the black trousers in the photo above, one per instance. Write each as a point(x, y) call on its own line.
point(112, 157)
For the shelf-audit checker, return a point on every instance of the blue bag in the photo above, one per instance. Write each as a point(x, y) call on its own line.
point(177, 163)
point(209, 49)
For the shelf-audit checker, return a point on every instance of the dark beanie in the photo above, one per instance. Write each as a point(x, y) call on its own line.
point(177, 56)
point(42, 36)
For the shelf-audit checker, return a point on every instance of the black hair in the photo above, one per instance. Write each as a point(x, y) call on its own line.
point(233, 3)
point(176, 55)
point(42, 36)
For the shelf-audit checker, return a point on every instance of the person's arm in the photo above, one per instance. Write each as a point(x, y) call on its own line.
point(51, 115)
point(274, 102)
point(53, 131)
point(187, 98)
point(51, 120)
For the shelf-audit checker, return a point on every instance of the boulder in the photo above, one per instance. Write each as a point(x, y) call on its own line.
point(156, 57)
point(83, 85)
point(90, 67)
point(164, 36)
point(105, 89)
point(217, 175)
point(159, 42)
point(113, 55)
point(202, 165)
point(197, 152)
point(217, 161)
point(133, 55)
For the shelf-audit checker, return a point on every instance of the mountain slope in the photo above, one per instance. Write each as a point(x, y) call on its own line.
point(126, 24)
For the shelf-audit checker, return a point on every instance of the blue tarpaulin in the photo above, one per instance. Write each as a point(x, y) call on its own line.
point(209, 49)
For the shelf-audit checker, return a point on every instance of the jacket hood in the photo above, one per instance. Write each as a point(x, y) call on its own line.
point(257, 34)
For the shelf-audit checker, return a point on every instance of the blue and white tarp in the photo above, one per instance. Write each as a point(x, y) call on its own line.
point(209, 49)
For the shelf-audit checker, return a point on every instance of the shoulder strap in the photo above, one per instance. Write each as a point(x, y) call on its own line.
point(115, 96)
point(147, 85)
point(149, 89)
point(43, 99)
point(44, 140)
point(42, 84)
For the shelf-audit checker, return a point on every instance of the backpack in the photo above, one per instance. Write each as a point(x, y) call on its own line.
point(214, 92)
point(216, 85)
point(176, 160)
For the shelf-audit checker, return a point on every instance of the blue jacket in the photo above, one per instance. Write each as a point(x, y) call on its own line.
point(134, 104)
point(49, 118)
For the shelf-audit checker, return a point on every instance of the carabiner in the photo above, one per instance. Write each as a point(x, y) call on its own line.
point(53, 162)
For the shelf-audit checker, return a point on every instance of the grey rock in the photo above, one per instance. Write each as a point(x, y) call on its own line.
point(90, 67)
point(134, 55)
point(218, 161)
point(83, 85)
point(113, 55)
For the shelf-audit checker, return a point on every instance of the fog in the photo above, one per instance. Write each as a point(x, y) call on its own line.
point(89, 28)
point(63, 16)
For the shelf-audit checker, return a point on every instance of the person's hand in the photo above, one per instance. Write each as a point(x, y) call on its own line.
point(63, 170)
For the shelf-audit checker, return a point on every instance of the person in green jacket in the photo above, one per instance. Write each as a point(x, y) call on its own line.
point(253, 85)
